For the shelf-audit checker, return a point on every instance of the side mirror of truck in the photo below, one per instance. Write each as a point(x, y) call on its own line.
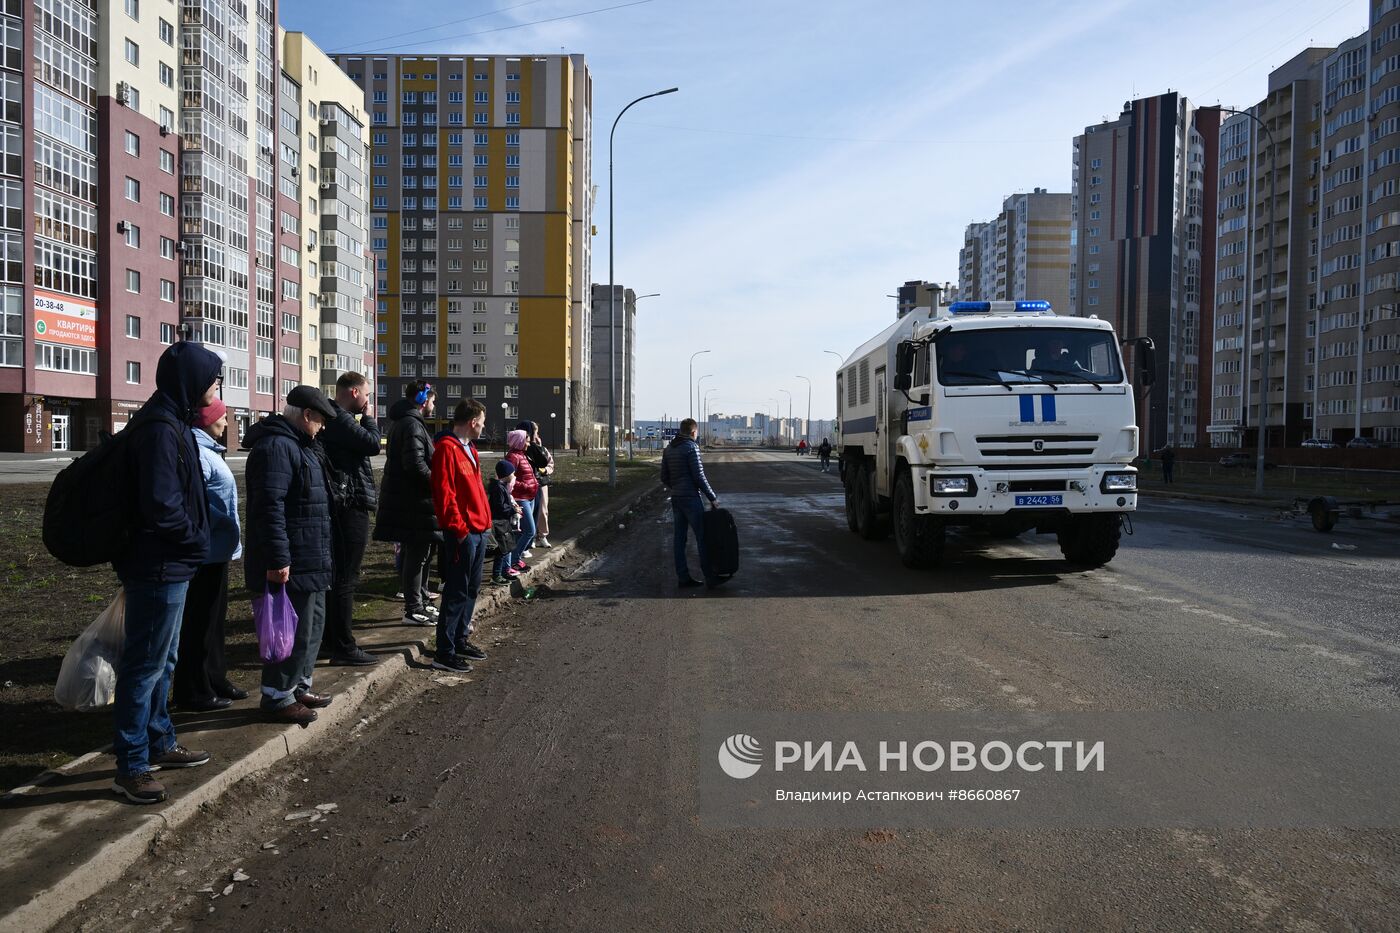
point(903, 367)
point(1146, 362)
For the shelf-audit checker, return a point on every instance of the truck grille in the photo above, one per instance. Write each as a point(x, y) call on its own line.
point(1024, 445)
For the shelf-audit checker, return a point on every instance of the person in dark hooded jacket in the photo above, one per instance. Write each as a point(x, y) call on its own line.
point(169, 544)
point(406, 498)
point(289, 541)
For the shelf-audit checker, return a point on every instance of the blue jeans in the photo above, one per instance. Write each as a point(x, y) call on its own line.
point(689, 512)
point(464, 561)
point(144, 729)
point(526, 537)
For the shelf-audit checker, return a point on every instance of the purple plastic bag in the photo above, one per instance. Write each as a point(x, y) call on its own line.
point(276, 624)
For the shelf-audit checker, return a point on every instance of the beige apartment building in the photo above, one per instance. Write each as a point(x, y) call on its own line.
point(1023, 254)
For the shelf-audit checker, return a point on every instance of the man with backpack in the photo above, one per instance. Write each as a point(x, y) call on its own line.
point(168, 519)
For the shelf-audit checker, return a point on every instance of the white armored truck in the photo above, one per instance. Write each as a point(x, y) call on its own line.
point(996, 415)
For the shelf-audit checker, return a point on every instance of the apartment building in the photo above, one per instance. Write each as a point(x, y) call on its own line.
point(1246, 293)
point(480, 219)
point(1142, 254)
point(617, 355)
point(1023, 253)
point(145, 202)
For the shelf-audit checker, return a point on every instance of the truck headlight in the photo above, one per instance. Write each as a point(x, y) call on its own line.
point(1119, 482)
point(953, 486)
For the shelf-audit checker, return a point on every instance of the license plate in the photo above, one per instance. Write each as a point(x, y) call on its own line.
point(1034, 501)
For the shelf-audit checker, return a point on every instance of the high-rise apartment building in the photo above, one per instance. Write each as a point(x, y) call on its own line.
point(1024, 253)
point(1245, 293)
point(481, 215)
point(153, 192)
point(1143, 255)
point(618, 355)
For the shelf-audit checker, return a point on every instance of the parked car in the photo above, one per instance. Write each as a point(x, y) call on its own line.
point(1367, 442)
point(1317, 442)
point(1242, 459)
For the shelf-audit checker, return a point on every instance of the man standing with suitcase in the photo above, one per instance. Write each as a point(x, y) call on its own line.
point(684, 475)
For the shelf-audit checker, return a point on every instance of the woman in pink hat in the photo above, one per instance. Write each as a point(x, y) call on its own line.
point(201, 673)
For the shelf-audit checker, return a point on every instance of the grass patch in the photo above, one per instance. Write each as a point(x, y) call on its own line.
point(1282, 484)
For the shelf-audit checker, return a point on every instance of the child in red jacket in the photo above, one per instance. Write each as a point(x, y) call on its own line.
point(526, 488)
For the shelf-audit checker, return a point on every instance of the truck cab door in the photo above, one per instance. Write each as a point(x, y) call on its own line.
point(882, 435)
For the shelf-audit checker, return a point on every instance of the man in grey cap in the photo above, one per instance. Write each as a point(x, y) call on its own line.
point(290, 496)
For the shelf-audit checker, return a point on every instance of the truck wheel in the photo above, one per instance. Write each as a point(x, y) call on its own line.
point(918, 538)
point(1091, 540)
point(852, 507)
point(868, 523)
point(1323, 513)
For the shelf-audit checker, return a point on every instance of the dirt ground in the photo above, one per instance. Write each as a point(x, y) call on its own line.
point(45, 605)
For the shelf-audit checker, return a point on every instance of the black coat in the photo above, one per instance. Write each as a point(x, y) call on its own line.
point(171, 538)
point(406, 496)
point(289, 508)
point(350, 442)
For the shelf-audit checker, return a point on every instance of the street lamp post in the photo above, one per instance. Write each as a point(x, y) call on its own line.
point(554, 429)
point(696, 400)
point(807, 433)
point(612, 297)
point(505, 420)
point(1262, 427)
point(691, 387)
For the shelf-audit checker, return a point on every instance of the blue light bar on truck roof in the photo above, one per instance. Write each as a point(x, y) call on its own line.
point(985, 307)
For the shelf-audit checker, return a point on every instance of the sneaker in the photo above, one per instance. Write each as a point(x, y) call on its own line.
point(521, 566)
point(180, 757)
point(499, 581)
point(455, 665)
point(528, 554)
point(542, 541)
point(471, 652)
point(431, 611)
point(431, 595)
point(293, 713)
point(356, 658)
point(417, 618)
point(139, 788)
point(511, 574)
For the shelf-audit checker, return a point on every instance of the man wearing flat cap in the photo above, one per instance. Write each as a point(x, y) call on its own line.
point(290, 498)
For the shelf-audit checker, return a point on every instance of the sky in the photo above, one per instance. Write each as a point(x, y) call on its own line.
point(820, 153)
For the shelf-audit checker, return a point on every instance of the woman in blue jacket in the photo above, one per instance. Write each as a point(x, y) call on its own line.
point(201, 672)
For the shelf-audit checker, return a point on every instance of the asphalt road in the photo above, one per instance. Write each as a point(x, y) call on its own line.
point(556, 788)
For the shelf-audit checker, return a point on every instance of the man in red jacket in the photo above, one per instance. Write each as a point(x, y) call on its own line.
point(464, 515)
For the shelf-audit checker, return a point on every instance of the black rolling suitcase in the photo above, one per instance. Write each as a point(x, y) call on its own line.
point(721, 543)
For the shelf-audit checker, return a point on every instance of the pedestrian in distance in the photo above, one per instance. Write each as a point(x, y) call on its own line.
point(169, 543)
point(290, 501)
point(542, 461)
point(824, 451)
point(1168, 456)
point(406, 512)
point(201, 671)
point(463, 514)
point(505, 522)
point(351, 440)
point(684, 475)
point(524, 491)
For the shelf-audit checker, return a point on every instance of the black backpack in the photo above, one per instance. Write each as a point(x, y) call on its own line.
point(88, 516)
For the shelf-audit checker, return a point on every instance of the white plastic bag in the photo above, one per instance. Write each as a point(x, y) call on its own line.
point(88, 678)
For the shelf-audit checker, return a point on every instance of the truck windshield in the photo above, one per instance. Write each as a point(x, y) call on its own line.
point(1062, 355)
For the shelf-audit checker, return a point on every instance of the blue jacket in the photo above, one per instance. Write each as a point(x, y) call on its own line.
point(171, 538)
point(289, 508)
point(682, 472)
point(224, 543)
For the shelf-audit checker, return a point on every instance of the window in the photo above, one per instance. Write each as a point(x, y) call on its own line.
point(133, 190)
point(167, 162)
point(167, 75)
point(133, 9)
point(133, 372)
point(133, 144)
point(167, 204)
point(133, 52)
point(133, 236)
point(133, 326)
point(167, 290)
point(167, 248)
point(167, 33)
point(133, 281)
point(167, 333)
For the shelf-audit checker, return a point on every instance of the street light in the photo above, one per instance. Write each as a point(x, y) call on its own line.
point(505, 420)
point(807, 434)
point(691, 387)
point(1262, 426)
point(706, 409)
point(780, 409)
point(612, 298)
point(554, 430)
point(696, 399)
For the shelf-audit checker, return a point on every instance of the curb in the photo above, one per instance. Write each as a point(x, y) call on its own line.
point(107, 864)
